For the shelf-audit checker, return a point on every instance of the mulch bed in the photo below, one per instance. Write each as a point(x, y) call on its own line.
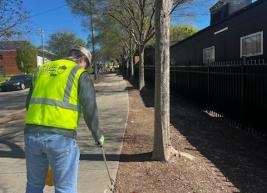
point(226, 158)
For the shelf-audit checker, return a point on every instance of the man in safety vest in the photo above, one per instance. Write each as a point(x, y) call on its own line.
point(60, 90)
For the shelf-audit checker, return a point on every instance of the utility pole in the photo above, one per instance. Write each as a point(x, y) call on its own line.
point(42, 37)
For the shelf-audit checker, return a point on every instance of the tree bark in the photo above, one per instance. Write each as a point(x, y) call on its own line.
point(141, 67)
point(131, 58)
point(127, 67)
point(162, 144)
point(132, 66)
point(93, 38)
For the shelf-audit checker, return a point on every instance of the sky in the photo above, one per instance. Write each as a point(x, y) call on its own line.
point(55, 15)
point(52, 16)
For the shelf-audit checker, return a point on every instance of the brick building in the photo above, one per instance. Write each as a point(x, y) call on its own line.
point(8, 64)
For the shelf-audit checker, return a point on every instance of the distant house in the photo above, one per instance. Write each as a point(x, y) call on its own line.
point(48, 56)
point(238, 29)
point(8, 54)
point(8, 64)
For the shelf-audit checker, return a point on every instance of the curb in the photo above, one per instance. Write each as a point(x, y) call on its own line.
point(125, 127)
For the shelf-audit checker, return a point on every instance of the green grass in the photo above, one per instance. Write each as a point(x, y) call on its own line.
point(3, 78)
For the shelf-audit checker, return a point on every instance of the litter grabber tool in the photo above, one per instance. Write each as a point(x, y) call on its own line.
point(112, 182)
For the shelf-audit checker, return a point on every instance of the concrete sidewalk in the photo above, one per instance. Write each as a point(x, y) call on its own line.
point(112, 100)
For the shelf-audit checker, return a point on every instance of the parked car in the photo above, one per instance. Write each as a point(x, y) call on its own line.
point(18, 82)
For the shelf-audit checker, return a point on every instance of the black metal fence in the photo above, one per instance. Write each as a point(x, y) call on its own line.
point(236, 90)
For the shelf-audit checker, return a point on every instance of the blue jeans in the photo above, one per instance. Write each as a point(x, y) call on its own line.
point(60, 152)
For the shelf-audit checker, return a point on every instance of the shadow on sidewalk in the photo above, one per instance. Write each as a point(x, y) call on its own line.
point(118, 157)
point(9, 147)
point(11, 150)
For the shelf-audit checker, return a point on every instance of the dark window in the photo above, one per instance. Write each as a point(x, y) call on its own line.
point(252, 45)
point(209, 55)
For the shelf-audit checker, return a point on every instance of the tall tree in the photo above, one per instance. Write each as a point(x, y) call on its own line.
point(89, 9)
point(109, 37)
point(136, 17)
point(114, 41)
point(177, 33)
point(180, 32)
point(163, 149)
point(12, 17)
point(92, 24)
point(26, 57)
point(60, 43)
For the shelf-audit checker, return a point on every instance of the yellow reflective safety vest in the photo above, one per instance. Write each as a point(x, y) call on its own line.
point(54, 101)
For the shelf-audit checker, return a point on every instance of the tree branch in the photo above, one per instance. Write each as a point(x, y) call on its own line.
point(151, 27)
point(132, 16)
point(178, 3)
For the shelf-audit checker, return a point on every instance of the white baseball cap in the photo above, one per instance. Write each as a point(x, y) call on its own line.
point(84, 51)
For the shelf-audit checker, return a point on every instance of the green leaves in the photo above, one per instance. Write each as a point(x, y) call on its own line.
point(26, 57)
point(180, 32)
point(60, 43)
point(109, 37)
point(177, 33)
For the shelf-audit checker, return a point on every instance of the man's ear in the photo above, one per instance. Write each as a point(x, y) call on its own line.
point(80, 60)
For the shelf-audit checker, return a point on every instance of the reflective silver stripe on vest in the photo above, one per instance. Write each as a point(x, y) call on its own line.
point(53, 102)
point(70, 83)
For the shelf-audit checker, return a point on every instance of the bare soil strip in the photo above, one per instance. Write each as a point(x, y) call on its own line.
point(226, 159)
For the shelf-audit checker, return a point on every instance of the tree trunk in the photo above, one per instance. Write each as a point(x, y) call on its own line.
point(127, 66)
point(93, 38)
point(131, 58)
point(162, 144)
point(141, 67)
point(132, 66)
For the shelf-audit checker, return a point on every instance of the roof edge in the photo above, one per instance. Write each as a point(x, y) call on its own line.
point(254, 4)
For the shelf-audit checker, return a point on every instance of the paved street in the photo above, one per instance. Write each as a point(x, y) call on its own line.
point(112, 99)
point(12, 101)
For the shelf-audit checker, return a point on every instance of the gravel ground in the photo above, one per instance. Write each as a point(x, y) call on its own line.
point(226, 159)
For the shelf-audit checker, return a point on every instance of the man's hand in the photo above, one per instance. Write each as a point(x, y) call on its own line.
point(100, 141)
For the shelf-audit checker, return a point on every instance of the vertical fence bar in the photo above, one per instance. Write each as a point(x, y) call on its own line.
point(236, 89)
point(242, 92)
point(208, 80)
